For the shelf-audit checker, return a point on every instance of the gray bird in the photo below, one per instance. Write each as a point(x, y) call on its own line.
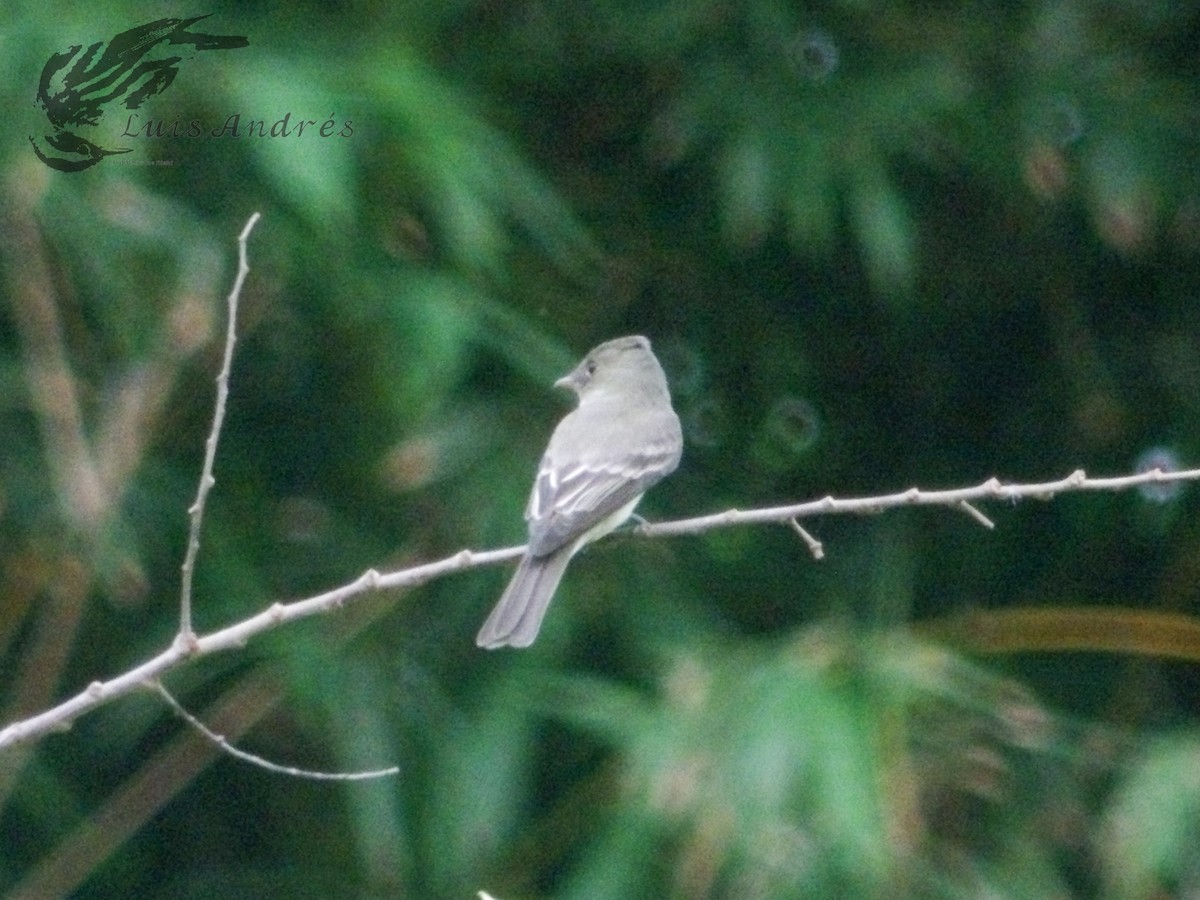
point(621, 439)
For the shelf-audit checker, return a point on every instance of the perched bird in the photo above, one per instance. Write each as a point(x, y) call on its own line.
point(621, 439)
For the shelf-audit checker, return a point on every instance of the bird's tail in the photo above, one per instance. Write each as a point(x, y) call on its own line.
point(518, 615)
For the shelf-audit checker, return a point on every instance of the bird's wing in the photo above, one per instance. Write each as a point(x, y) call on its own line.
point(571, 497)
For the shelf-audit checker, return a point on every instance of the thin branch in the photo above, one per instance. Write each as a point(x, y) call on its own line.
point(975, 514)
point(992, 489)
point(222, 744)
point(814, 546)
point(235, 636)
point(187, 636)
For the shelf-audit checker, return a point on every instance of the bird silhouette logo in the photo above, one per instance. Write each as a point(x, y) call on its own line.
point(76, 88)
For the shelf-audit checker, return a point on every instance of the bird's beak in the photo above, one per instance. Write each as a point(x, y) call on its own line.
point(569, 381)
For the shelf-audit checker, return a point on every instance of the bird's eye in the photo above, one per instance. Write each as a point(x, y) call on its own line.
point(591, 367)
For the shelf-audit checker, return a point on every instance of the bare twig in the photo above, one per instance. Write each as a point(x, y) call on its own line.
point(992, 489)
point(186, 637)
point(224, 745)
point(236, 636)
point(975, 514)
point(60, 717)
point(814, 546)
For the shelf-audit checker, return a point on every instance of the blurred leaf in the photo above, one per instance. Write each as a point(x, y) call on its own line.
point(295, 125)
point(1065, 629)
point(746, 189)
point(884, 229)
point(1154, 823)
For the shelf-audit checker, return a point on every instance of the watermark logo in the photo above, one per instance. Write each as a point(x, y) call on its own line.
point(76, 89)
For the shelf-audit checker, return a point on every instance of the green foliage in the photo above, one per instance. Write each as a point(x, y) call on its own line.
point(1162, 788)
point(875, 245)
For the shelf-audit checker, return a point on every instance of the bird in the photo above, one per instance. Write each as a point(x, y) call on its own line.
point(621, 439)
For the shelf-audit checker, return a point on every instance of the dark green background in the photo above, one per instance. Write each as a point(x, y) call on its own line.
point(874, 244)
